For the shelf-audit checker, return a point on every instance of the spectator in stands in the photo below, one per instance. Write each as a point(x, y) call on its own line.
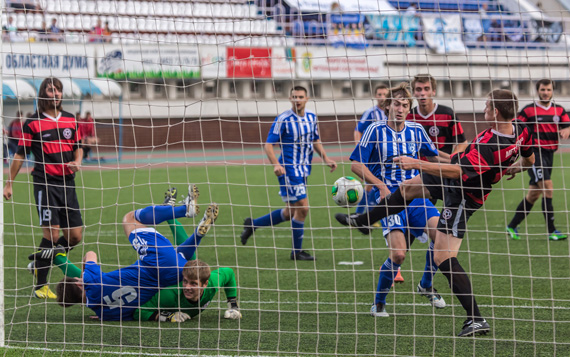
point(412, 10)
point(10, 31)
point(43, 32)
point(107, 33)
point(87, 130)
point(335, 8)
point(15, 132)
point(96, 33)
point(485, 22)
point(55, 31)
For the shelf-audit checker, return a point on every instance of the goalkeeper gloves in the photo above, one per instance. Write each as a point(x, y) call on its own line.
point(232, 312)
point(178, 316)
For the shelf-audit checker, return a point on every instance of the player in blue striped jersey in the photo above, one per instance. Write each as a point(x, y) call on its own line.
point(296, 133)
point(372, 115)
point(372, 160)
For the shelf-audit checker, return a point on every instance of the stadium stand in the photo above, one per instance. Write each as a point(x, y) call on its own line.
point(171, 21)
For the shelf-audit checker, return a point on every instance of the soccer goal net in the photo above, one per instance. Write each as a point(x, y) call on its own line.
point(264, 105)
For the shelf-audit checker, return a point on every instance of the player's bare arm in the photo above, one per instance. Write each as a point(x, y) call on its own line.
point(460, 147)
point(75, 165)
point(442, 158)
point(522, 165)
point(278, 169)
point(564, 133)
point(366, 175)
point(451, 171)
point(318, 146)
point(17, 163)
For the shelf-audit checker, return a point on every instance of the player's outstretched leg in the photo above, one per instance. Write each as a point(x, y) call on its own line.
point(250, 225)
point(188, 248)
point(154, 215)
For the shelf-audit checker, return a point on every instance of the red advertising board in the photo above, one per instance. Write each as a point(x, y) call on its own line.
point(246, 62)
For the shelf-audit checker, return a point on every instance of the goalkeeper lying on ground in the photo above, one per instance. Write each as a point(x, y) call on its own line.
point(88, 286)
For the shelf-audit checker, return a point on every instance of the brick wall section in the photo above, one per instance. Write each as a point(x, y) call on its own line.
point(146, 134)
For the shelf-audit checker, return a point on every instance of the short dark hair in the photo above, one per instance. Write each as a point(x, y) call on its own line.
point(380, 86)
point(424, 78)
point(401, 90)
point(506, 102)
point(68, 293)
point(44, 102)
point(299, 88)
point(544, 82)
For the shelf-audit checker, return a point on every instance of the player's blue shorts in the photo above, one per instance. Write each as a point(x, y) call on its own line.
point(414, 218)
point(158, 261)
point(292, 188)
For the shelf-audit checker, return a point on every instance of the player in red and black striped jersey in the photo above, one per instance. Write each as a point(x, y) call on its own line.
point(547, 121)
point(438, 120)
point(52, 136)
point(467, 183)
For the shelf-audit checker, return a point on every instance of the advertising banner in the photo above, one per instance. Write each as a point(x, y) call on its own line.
point(337, 63)
point(360, 6)
point(442, 33)
point(346, 30)
point(148, 62)
point(395, 28)
point(213, 61)
point(247, 62)
point(41, 60)
point(283, 62)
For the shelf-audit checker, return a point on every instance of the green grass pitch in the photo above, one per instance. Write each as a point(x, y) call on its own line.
point(299, 308)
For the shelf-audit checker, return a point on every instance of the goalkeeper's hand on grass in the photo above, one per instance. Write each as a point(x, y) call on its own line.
point(232, 312)
point(178, 316)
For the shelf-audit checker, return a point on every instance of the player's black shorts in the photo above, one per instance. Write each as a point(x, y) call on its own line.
point(57, 203)
point(542, 168)
point(457, 207)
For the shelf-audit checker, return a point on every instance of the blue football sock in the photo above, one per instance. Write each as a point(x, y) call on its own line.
point(430, 268)
point(271, 219)
point(386, 279)
point(298, 231)
point(188, 248)
point(153, 215)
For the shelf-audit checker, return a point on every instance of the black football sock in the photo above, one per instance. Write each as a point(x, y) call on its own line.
point(391, 204)
point(63, 242)
point(42, 267)
point(548, 211)
point(523, 210)
point(461, 286)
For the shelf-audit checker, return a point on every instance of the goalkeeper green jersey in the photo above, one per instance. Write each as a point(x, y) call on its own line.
point(173, 299)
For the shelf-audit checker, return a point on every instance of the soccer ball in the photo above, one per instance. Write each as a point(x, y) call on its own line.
point(347, 191)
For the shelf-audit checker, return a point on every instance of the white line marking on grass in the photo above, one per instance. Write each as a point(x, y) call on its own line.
point(358, 262)
point(119, 353)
